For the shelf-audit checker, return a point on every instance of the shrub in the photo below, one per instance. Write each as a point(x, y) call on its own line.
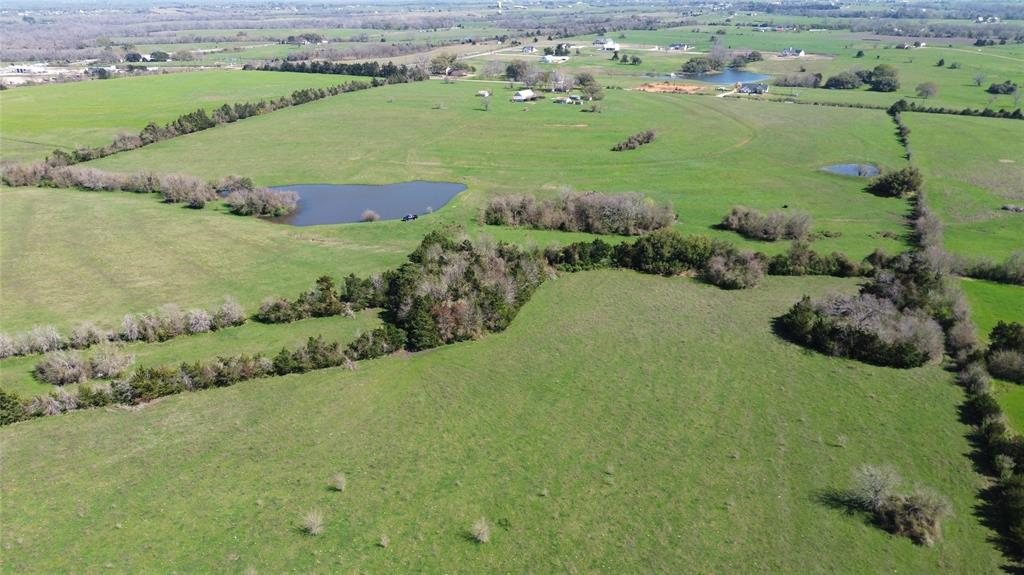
point(874, 485)
point(801, 260)
point(198, 321)
point(339, 483)
point(975, 379)
point(40, 339)
point(229, 314)
point(624, 214)
point(90, 396)
point(87, 334)
point(313, 522)
point(369, 216)
point(261, 202)
point(276, 310)
point(917, 515)
point(1007, 336)
point(737, 270)
point(180, 188)
point(7, 346)
point(379, 342)
point(12, 409)
point(61, 368)
point(1007, 364)
point(481, 531)
point(667, 252)
point(899, 184)
point(110, 361)
point(771, 226)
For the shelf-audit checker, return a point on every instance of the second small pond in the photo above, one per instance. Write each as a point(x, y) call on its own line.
point(345, 203)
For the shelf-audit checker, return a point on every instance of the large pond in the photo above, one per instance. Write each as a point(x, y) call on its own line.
point(728, 76)
point(859, 170)
point(345, 203)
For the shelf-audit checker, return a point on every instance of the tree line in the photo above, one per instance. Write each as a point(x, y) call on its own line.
point(391, 73)
point(242, 197)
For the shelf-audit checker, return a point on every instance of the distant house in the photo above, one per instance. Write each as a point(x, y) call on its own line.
point(524, 96)
point(549, 59)
point(529, 49)
point(484, 93)
point(792, 52)
point(680, 47)
point(610, 46)
point(752, 88)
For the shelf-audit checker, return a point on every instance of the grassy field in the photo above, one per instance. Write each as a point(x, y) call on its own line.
point(710, 155)
point(968, 193)
point(660, 416)
point(92, 113)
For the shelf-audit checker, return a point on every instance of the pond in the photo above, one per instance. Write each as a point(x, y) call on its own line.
point(728, 76)
point(858, 170)
point(345, 203)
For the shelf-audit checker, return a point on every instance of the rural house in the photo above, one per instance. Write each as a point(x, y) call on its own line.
point(792, 52)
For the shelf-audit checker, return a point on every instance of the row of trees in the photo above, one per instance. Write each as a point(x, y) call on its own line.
point(904, 106)
point(593, 212)
point(775, 225)
point(200, 120)
point(165, 323)
point(242, 197)
point(390, 72)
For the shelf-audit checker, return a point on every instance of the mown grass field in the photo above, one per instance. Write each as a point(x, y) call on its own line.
point(661, 417)
point(969, 177)
point(34, 120)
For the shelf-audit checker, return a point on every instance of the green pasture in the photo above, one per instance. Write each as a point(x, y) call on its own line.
point(622, 423)
point(36, 119)
point(972, 167)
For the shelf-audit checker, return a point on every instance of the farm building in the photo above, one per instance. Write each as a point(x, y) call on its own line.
point(792, 52)
point(529, 49)
point(524, 96)
point(680, 47)
point(752, 88)
point(484, 93)
point(549, 59)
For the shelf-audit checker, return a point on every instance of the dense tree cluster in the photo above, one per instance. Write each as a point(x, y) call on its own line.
point(68, 367)
point(864, 327)
point(702, 65)
point(799, 80)
point(742, 60)
point(772, 226)
point(635, 141)
point(1006, 87)
point(322, 300)
point(901, 183)
point(882, 78)
point(593, 212)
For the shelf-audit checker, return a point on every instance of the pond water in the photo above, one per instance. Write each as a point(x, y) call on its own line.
point(859, 170)
point(345, 203)
point(728, 76)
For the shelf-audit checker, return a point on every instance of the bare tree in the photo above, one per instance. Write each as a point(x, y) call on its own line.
point(979, 78)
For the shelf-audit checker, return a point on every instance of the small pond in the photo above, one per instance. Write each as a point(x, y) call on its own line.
point(728, 76)
point(859, 170)
point(345, 203)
